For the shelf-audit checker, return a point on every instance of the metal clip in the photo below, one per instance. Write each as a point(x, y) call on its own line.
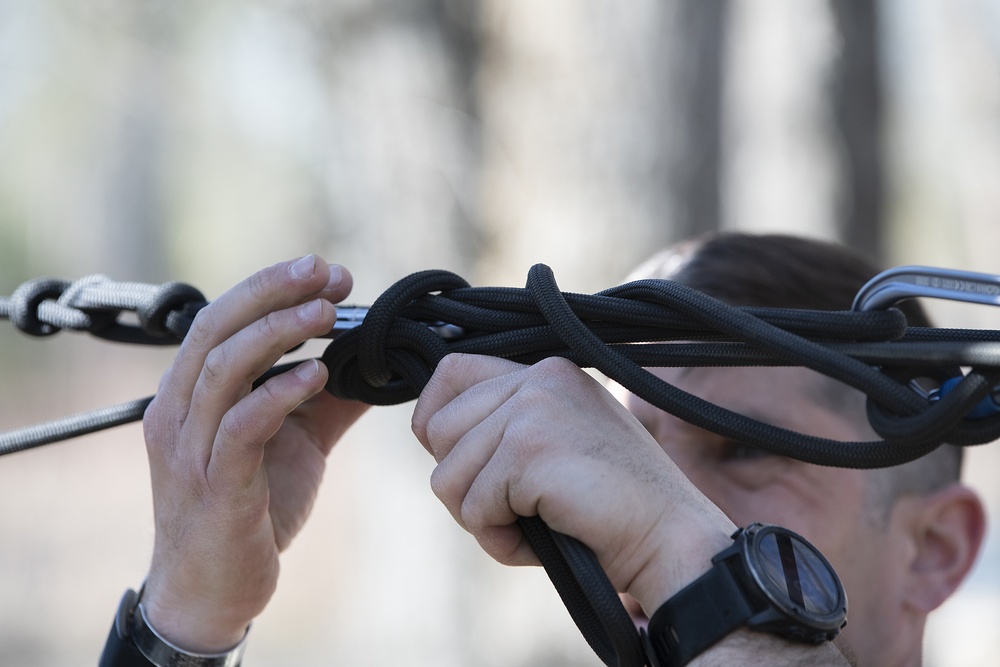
point(349, 317)
point(907, 282)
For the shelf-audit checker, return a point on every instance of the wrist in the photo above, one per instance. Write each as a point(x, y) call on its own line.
point(194, 628)
point(747, 647)
point(134, 641)
point(769, 580)
point(163, 653)
point(681, 553)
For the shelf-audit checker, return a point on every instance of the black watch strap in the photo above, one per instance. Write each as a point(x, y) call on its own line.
point(119, 649)
point(697, 617)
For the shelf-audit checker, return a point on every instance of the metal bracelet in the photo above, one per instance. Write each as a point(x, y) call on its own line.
point(162, 653)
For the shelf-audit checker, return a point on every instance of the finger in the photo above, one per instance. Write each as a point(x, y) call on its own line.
point(455, 374)
point(468, 466)
point(488, 513)
point(469, 410)
point(458, 469)
point(506, 545)
point(238, 449)
point(231, 368)
point(281, 286)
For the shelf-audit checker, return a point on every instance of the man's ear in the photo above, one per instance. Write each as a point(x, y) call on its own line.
point(947, 528)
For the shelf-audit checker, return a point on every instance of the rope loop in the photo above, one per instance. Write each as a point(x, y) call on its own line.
point(96, 303)
point(382, 316)
point(25, 303)
point(170, 310)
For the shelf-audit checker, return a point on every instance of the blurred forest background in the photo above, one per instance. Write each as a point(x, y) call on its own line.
point(198, 141)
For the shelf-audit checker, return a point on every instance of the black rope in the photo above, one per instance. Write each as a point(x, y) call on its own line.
point(616, 332)
point(390, 356)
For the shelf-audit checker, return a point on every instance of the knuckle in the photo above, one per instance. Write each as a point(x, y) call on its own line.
point(214, 368)
point(440, 485)
point(535, 395)
point(202, 330)
point(557, 377)
point(267, 393)
point(232, 427)
point(524, 442)
point(475, 510)
point(255, 424)
point(259, 285)
point(434, 430)
point(450, 364)
point(556, 366)
point(471, 520)
point(269, 326)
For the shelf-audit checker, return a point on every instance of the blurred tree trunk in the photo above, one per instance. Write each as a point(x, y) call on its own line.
point(599, 118)
point(856, 96)
point(462, 37)
point(698, 52)
point(129, 232)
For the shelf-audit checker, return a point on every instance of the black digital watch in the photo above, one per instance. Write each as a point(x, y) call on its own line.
point(770, 580)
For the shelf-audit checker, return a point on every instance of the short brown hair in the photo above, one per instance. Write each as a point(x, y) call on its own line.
point(771, 270)
point(781, 271)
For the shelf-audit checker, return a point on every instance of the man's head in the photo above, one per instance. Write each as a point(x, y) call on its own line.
point(901, 538)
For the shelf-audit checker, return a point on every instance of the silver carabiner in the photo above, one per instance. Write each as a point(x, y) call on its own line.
point(907, 282)
point(349, 317)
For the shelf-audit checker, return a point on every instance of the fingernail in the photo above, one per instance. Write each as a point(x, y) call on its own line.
point(311, 310)
point(308, 369)
point(336, 276)
point(304, 267)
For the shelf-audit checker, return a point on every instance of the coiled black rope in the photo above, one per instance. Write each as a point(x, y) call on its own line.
point(391, 355)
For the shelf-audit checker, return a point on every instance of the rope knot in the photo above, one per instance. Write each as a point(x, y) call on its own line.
point(389, 357)
point(26, 301)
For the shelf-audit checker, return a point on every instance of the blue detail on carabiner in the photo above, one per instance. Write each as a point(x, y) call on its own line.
point(906, 282)
point(987, 407)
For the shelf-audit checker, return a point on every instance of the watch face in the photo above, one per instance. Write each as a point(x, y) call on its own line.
point(795, 575)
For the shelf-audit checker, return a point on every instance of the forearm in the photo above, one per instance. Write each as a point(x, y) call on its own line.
point(697, 615)
point(748, 648)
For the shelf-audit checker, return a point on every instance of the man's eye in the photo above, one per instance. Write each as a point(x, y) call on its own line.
point(738, 451)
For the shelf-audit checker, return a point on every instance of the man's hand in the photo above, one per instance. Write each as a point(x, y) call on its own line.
point(235, 471)
point(549, 440)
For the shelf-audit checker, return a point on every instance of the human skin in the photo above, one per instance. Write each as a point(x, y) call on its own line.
point(235, 472)
point(881, 554)
point(548, 440)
